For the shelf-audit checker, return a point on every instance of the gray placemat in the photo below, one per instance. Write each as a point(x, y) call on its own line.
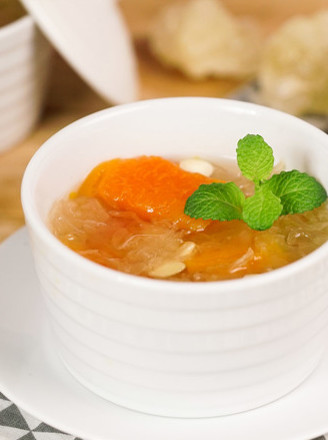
point(16, 424)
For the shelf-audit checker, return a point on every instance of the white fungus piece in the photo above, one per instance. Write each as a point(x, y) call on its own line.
point(195, 165)
point(201, 39)
point(167, 269)
point(293, 74)
point(242, 262)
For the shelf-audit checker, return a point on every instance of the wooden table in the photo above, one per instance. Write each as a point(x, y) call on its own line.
point(70, 98)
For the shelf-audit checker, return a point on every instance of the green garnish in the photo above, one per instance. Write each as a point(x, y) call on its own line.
point(261, 209)
point(254, 157)
point(297, 191)
point(216, 201)
point(289, 192)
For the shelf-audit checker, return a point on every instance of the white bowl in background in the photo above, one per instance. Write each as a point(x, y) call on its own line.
point(24, 65)
point(178, 349)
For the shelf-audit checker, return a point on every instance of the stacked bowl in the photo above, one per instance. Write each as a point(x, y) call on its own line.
point(24, 65)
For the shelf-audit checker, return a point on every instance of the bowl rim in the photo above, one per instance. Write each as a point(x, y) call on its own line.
point(159, 285)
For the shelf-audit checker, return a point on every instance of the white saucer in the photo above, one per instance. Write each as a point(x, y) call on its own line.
point(33, 377)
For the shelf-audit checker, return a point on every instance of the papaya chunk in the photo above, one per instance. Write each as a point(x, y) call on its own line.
point(150, 186)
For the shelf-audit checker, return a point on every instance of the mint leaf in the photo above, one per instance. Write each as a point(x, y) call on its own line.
point(297, 191)
point(289, 192)
point(261, 209)
point(254, 157)
point(216, 201)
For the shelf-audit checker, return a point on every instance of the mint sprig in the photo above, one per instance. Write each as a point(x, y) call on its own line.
point(261, 209)
point(297, 191)
point(289, 192)
point(254, 157)
point(216, 201)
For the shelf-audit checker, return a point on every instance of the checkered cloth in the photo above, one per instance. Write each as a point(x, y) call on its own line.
point(16, 424)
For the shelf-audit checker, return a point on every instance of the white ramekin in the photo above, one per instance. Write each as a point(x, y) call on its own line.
point(170, 348)
point(24, 65)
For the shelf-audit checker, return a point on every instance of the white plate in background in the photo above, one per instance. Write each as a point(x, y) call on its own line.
point(92, 37)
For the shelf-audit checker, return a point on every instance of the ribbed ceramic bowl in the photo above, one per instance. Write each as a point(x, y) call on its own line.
point(173, 348)
point(24, 62)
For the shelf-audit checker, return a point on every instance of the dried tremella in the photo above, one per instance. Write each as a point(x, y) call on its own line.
point(293, 75)
point(201, 38)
